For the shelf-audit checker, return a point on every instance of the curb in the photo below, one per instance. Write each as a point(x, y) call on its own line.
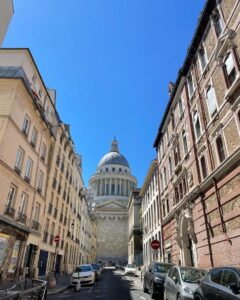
point(58, 290)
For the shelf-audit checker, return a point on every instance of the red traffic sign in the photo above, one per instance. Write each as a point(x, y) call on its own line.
point(57, 238)
point(155, 244)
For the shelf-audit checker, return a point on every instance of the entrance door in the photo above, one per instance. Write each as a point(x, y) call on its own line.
point(58, 262)
point(42, 262)
point(187, 245)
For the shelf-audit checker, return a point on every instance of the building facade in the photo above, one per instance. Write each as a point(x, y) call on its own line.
point(43, 194)
point(198, 145)
point(151, 215)
point(135, 249)
point(111, 186)
point(6, 13)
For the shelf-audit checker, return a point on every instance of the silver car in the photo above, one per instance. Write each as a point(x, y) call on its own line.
point(181, 282)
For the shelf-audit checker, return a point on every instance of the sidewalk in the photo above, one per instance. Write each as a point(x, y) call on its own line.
point(63, 282)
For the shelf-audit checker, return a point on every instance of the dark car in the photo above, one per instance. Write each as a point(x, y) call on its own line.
point(154, 278)
point(221, 283)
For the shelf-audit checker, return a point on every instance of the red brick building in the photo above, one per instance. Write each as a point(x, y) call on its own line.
point(198, 145)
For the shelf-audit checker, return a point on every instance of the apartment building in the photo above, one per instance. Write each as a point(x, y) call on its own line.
point(41, 182)
point(135, 251)
point(198, 145)
point(151, 218)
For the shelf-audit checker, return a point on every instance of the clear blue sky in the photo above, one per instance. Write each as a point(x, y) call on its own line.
point(110, 62)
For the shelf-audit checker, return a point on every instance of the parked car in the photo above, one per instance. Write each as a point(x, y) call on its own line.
point(130, 269)
point(97, 270)
point(181, 282)
point(220, 283)
point(85, 273)
point(154, 278)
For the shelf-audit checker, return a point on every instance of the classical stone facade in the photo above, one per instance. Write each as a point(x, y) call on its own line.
point(198, 145)
point(111, 186)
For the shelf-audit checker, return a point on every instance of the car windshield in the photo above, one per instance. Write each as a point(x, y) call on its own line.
point(162, 268)
point(192, 275)
point(83, 269)
point(131, 266)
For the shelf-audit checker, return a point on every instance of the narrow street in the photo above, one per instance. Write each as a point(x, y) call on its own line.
point(112, 286)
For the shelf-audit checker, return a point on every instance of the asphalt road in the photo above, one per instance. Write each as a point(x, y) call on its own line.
point(112, 286)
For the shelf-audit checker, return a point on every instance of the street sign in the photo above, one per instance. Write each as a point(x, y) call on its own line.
point(155, 244)
point(57, 238)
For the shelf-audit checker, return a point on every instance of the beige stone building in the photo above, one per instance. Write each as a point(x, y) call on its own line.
point(198, 145)
point(151, 215)
point(41, 184)
point(6, 13)
point(135, 249)
point(111, 186)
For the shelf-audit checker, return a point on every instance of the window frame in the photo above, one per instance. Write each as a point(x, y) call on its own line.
point(25, 131)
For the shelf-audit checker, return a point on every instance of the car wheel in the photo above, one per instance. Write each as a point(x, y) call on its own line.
point(198, 297)
point(144, 287)
point(179, 297)
point(152, 291)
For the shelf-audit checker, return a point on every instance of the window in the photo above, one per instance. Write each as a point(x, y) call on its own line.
point(217, 22)
point(19, 160)
point(167, 206)
point(203, 167)
point(190, 85)
point(37, 212)
point(197, 126)
point(34, 137)
point(173, 120)
point(185, 145)
point(177, 157)
point(164, 209)
point(229, 277)
point(11, 196)
point(43, 152)
point(170, 166)
point(220, 149)
point(23, 203)
point(26, 125)
point(211, 100)
point(180, 107)
point(230, 69)
point(113, 169)
point(202, 57)
point(40, 181)
point(28, 171)
point(215, 276)
point(165, 176)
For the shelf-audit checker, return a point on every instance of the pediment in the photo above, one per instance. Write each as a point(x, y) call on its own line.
point(111, 205)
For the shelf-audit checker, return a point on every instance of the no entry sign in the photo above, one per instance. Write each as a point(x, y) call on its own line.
point(57, 238)
point(155, 244)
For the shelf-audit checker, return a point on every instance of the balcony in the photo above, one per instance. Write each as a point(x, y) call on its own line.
point(79, 217)
point(22, 218)
point(51, 238)
point(50, 208)
point(10, 211)
point(69, 234)
point(35, 225)
point(17, 170)
point(55, 213)
point(39, 190)
point(33, 144)
point(45, 236)
point(27, 179)
point(61, 218)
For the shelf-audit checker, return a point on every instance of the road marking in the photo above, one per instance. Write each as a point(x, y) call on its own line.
point(143, 298)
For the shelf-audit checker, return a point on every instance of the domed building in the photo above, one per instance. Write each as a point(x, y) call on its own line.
point(111, 186)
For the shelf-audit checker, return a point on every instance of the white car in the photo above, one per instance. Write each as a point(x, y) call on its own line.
point(84, 273)
point(130, 269)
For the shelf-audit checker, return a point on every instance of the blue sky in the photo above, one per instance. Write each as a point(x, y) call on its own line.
point(110, 62)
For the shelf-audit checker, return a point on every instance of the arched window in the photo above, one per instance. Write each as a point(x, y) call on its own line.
point(220, 148)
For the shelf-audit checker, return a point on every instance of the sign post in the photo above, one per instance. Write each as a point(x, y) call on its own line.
point(56, 240)
point(155, 244)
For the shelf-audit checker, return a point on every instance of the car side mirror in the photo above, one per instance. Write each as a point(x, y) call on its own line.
point(175, 279)
point(235, 288)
